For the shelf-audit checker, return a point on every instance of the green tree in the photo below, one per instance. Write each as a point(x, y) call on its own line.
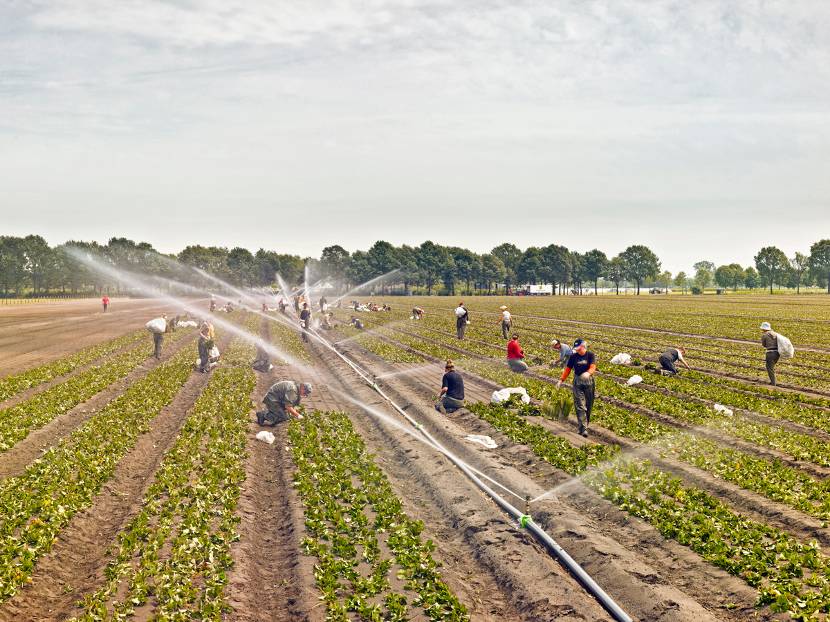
point(510, 256)
point(731, 275)
point(798, 267)
point(531, 269)
point(242, 266)
point(616, 272)
point(577, 261)
point(432, 263)
point(771, 262)
point(557, 263)
point(751, 279)
point(409, 273)
point(335, 262)
point(492, 270)
point(596, 264)
point(665, 280)
point(681, 280)
point(820, 261)
point(640, 262)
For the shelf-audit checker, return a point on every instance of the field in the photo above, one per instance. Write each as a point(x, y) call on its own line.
point(135, 489)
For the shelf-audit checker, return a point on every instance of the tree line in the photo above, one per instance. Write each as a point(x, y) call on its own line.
point(29, 265)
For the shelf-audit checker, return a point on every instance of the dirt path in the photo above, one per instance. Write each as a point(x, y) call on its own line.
point(14, 461)
point(33, 334)
point(75, 565)
point(652, 578)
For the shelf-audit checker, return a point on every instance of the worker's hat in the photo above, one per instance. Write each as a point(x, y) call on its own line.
point(307, 387)
point(503, 308)
point(580, 342)
point(766, 326)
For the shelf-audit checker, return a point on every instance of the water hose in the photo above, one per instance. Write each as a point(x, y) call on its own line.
point(524, 519)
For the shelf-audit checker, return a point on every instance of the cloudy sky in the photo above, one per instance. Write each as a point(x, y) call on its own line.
point(700, 128)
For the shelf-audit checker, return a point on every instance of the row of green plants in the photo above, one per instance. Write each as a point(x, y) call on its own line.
point(286, 337)
point(16, 422)
point(372, 561)
point(37, 504)
point(17, 383)
point(175, 554)
point(791, 576)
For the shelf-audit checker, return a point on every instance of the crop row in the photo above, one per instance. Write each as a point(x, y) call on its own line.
point(371, 558)
point(18, 421)
point(12, 385)
point(792, 576)
point(770, 478)
point(176, 552)
point(36, 505)
point(286, 337)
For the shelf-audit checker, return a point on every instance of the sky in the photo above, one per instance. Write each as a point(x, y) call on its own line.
point(701, 129)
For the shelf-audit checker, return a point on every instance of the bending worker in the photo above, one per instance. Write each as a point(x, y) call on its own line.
point(769, 339)
point(584, 365)
point(564, 351)
point(506, 322)
point(452, 390)
point(515, 355)
point(669, 358)
point(281, 402)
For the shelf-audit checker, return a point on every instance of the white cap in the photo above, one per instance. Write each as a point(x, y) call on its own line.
point(766, 326)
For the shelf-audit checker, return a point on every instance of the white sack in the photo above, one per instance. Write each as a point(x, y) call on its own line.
point(621, 359)
point(265, 436)
point(187, 324)
point(785, 347)
point(503, 395)
point(459, 311)
point(214, 353)
point(158, 325)
point(488, 442)
point(635, 379)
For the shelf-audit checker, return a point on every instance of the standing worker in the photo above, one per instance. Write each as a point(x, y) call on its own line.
point(462, 318)
point(105, 301)
point(452, 390)
point(564, 351)
point(506, 322)
point(584, 366)
point(669, 358)
point(515, 355)
point(281, 402)
point(769, 339)
point(157, 327)
point(323, 304)
point(205, 343)
point(282, 305)
point(305, 321)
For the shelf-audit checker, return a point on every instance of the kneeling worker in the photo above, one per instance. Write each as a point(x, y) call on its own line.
point(262, 362)
point(669, 358)
point(515, 355)
point(281, 401)
point(452, 390)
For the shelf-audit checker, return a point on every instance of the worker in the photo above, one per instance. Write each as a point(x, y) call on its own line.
point(515, 355)
point(323, 304)
point(282, 306)
point(669, 358)
point(281, 402)
point(158, 336)
point(356, 323)
point(105, 301)
point(305, 320)
point(563, 350)
point(204, 345)
point(583, 363)
point(462, 318)
point(506, 322)
point(326, 323)
point(451, 397)
point(265, 307)
point(769, 339)
point(228, 307)
point(417, 313)
point(212, 304)
point(262, 361)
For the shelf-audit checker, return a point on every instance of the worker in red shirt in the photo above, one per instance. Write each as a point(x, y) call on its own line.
point(515, 355)
point(105, 301)
point(584, 365)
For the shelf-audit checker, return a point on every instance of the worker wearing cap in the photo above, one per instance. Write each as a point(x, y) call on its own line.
point(282, 400)
point(769, 339)
point(506, 322)
point(584, 366)
point(563, 350)
point(462, 318)
point(668, 359)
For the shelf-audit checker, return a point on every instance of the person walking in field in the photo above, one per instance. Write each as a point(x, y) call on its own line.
point(158, 327)
point(452, 390)
point(583, 363)
point(323, 304)
point(105, 301)
point(669, 358)
point(462, 318)
point(506, 322)
point(204, 344)
point(563, 351)
point(281, 402)
point(769, 339)
point(515, 355)
point(305, 320)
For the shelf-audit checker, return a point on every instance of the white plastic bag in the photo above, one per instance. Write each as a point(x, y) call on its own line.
point(460, 311)
point(503, 395)
point(785, 347)
point(488, 442)
point(635, 379)
point(622, 358)
point(158, 325)
point(266, 437)
point(187, 324)
point(214, 353)
point(723, 410)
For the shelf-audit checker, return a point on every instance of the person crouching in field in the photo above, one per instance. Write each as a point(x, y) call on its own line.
point(669, 358)
point(584, 366)
point(563, 351)
point(515, 355)
point(452, 390)
point(282, 401)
